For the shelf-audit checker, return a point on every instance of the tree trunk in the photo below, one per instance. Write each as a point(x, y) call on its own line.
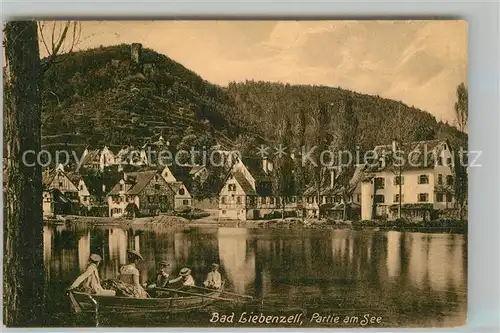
point(23, 271)
point(282, 208)
point(319, 194)
point(344, 213)
point(400, 194)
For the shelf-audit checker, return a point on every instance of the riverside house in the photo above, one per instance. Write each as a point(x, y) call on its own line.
point(60, 193)
point(247, 193)
point(426, 182)
point(142, 193)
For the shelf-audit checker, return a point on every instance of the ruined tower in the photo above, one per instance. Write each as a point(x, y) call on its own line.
point(136, 53)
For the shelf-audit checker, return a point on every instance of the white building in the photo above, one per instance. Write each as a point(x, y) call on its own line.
point(426, 181)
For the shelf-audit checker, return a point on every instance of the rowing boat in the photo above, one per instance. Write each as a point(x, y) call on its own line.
point(181, 302)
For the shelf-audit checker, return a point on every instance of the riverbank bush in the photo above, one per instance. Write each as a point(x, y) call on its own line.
point(191, 213)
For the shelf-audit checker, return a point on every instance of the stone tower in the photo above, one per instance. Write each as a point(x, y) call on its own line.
point(136, 53)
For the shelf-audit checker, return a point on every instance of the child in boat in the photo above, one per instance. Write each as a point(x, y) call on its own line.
point(89, 281)
point(128, 284)
point(214, 279)
point(184, 277)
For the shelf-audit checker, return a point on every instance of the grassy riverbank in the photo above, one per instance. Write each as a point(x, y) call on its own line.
point(449, 226)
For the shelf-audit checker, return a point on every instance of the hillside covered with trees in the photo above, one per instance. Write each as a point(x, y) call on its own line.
point(101, 96)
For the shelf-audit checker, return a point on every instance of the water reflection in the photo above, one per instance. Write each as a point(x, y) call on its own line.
point(292, 268)
point(238, 263)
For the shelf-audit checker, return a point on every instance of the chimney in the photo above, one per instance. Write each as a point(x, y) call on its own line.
point(394, 146)
point(136, 52)
point(264, 164)
point(103, 188)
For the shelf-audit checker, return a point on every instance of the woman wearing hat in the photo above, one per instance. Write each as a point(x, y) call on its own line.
point(213, 280)
point(184, 277)
point(89, 281)
point(129, 276)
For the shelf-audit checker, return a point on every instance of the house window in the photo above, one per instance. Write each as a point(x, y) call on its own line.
point(271, 200)
point(396, 197)
point(439, 160)
point(449, 180)
point(81, 187)
point(231, 187)
point(185, 202)
point(449, 197)
point(439, 197)
point(448, 161)
point(122, 187)
point(181, 191)
point(379, 183)
point(328, 199)
point(157, 186)
point(60, 184)
point(150, 198)
point(223, 212)
point(423, 197)
point(338, 198)
point(358, 197)
point(379, 198)
point(309, 200)
point(84, 199)
point(440, 179)
point(238, 200)
point(263, 200)
point(223, 200)
point(423, 179)
point(397, 180)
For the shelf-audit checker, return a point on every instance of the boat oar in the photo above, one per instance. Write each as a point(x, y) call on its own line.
point(196, 294)
point(223, 292)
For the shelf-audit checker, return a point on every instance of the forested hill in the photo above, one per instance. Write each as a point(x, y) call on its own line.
point(101, 96)
point(263, 105)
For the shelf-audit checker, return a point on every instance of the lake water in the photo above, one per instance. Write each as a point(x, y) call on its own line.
point(406, 279)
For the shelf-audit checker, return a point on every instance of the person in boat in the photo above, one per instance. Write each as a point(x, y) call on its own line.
point(214, 279)
point(128, 282)
point(89, 281)
point(162, 278)
point(185, 278)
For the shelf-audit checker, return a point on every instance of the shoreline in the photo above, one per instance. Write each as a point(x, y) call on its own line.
point(175, 221)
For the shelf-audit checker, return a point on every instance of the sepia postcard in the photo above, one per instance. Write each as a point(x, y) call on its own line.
point(294, 174)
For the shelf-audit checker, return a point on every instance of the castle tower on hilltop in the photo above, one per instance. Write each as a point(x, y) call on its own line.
point(136, 53)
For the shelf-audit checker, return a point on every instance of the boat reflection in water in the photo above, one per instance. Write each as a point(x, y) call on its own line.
point(388, 273)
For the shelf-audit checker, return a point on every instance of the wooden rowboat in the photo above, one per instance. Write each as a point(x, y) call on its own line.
point(183, 301)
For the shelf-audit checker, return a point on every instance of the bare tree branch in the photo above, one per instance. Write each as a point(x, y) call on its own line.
point(62, 39)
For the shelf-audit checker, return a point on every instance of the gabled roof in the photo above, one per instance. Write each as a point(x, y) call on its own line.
point(74, 177)
point(47, 177)
point(245, 185)
point(195, 169)
point(92, 156)
point(175, 186)
point(139, 180)
point(142, 179)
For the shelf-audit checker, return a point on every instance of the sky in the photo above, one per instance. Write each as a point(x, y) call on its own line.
point(418, 62)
